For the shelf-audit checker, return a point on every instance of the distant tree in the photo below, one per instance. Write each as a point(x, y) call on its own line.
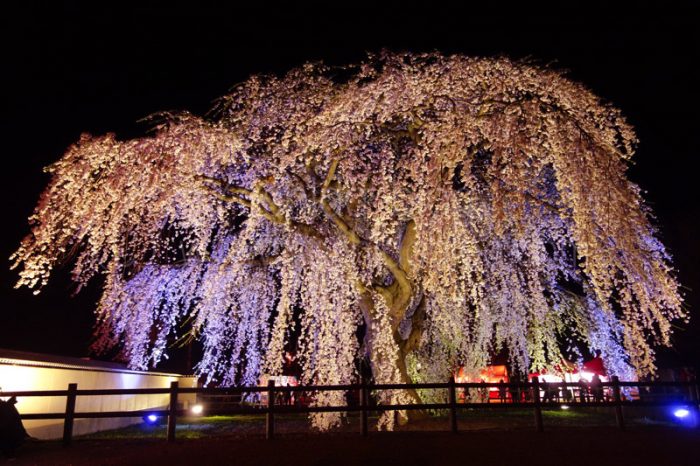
point(442, 207)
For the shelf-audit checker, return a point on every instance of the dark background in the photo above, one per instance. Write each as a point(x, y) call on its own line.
point(74, 68)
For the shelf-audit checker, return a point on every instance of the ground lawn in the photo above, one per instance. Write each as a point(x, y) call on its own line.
point(469, 420)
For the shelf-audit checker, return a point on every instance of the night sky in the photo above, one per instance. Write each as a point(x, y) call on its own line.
point(72, 69)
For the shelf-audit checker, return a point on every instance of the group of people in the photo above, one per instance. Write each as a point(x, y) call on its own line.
point(560, 392)
point(286, 397)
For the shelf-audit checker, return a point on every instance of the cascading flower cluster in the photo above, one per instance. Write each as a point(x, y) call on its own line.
point(418, 211)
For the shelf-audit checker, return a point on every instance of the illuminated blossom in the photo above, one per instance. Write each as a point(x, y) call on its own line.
point(420, 211)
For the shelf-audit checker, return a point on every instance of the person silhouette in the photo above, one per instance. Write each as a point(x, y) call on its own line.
point(565, 392)
point(583, 390)
point(12, 433)
point(483, 392)
point(597, 388)
point(544, 385)
point(288, 396)
point(553, 393)
point(515, 393)
point(502, 391)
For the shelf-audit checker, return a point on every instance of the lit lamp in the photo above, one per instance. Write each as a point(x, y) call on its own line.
point(197, 409)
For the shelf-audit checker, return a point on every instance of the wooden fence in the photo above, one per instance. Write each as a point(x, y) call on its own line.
point(614, 398)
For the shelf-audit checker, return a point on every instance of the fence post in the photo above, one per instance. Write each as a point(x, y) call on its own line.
point(538, 407)
point(618, 402)
point(70, 413)
point(270, 417)
point(172, 411)
point(452, 393)
point(364, 402)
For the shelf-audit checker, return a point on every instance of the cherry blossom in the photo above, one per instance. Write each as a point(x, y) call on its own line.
point(418, 211)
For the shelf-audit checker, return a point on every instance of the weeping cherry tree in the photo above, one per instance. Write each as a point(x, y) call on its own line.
point(418, 212)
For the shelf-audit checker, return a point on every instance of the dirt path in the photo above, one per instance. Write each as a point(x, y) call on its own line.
point(562, 447)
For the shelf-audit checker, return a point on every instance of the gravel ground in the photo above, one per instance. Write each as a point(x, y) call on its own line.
point(599, 446)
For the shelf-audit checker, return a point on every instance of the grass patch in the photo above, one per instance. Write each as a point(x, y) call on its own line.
point(470, 419)
point(187, 427)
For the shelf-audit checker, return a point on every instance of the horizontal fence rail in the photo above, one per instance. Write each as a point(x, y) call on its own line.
point(535, 395)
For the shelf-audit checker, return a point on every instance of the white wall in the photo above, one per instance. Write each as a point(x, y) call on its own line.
point(24, 376)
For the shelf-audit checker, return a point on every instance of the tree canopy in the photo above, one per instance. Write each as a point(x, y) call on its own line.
point(419, 211)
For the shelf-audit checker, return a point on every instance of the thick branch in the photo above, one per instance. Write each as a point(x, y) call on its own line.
point(310, 169)
point(417, 325)
point(398, 295)
point(332, 214)
point(402, 289)
point(263, 195)
point(329, 175)
point(274, 214)
point(309, 194)
point(406, 248)
point(226, 187)
point(399, 274)
point(225, 198)
point(340, 223)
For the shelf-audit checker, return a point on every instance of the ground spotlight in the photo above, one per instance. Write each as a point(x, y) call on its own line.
point(151, 418)
point(197, 409)
point(564, 407)
point(681, 413)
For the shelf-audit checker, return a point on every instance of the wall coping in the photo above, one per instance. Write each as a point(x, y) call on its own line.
point(50, 361)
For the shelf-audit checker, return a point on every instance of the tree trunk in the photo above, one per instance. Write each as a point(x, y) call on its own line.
point(397, 299)
point(399, 362)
